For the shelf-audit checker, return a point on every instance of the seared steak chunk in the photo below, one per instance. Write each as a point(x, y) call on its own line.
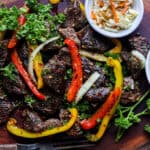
point(34, 123)
point(89, 67)
point(3, 52)
point(131, 91)
point(6, 107)
point(54, 71)
point(50, 106)
point(90, 40)
point(74, 17)
point(70, 33)
point(97, 94)
point(139, 43)
point(15, 86)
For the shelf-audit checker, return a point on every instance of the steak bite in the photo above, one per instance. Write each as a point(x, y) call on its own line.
point(74, 17)
point(33, 122)
point(139, 43)
point(131, 91)
point(97, 95)
point(16, 86)
point(89, 67)
point(70, 33)
point(3, 52)
point(49, 107)
point(90, 40)
point(6, 107)
point(54, 71)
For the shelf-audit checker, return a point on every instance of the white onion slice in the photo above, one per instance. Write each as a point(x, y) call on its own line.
point(34, 53)
point(94, 56)
point(140, 56)
point(86, 86)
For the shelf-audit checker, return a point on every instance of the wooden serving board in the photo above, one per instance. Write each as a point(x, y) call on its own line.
point(134, 138)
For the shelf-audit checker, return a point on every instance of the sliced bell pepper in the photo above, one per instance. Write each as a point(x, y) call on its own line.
point(37, 66)
point(77, 70)
point(13, 129)
point(2, 34)
point(118, 47)
point(111, 100)
point(118, 84)
point(17, 62)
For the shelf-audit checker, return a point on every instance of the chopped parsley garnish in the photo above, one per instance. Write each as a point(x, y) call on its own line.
point(29, 100)
point(9, 18)
point(8, 71)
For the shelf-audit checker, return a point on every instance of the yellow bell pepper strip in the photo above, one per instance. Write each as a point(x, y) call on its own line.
point(54, 2)
point(118, 84)
point(13, 129)
point(117, 48)
point(37, 66)
point(2, 33)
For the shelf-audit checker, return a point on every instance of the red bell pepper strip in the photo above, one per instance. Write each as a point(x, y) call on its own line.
point(21, 21)
point(17, 62)
point(102, 111)
point(77, 70)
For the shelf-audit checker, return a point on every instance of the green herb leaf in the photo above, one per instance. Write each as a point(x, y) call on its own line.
point(29, 100)
point(8, 71)
point(147, 128)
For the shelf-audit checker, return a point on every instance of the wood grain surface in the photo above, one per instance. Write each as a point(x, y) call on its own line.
point(134, 138)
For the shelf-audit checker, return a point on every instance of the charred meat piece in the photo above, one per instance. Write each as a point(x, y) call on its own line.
point(97, 94)
point(49, 107)
point(3, 52)
point(90, 40)
point(54, 71)
point(15, 86)
point(74, 16)
point(76, 130)
point(6, 107)
point(34, 123)
point(23, 52)
point(88, 68)
point(70, 33)
point(139, 43)
point(133, 64)
point(131, 91)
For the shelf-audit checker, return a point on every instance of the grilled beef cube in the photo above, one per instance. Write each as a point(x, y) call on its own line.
point(139, 43)
point(70, 33)
point(50, 106)
point(74, 17)
point(54, 71)
point(3, 52)
point(34, 123)
point(88, 68)
point(76, 130)
point(95, 95)
point(23, 52)
point(133, 64)
point(6, 107)
point(90, 40)
point(15, 86)
point(131, 91)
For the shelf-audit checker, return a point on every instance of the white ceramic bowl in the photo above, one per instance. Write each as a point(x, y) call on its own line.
point(147, 67)
point(138, 6)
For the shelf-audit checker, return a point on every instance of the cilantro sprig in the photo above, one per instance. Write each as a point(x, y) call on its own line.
point(127, 116)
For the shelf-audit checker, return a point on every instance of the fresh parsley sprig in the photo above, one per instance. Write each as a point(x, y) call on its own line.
point(127, 117)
